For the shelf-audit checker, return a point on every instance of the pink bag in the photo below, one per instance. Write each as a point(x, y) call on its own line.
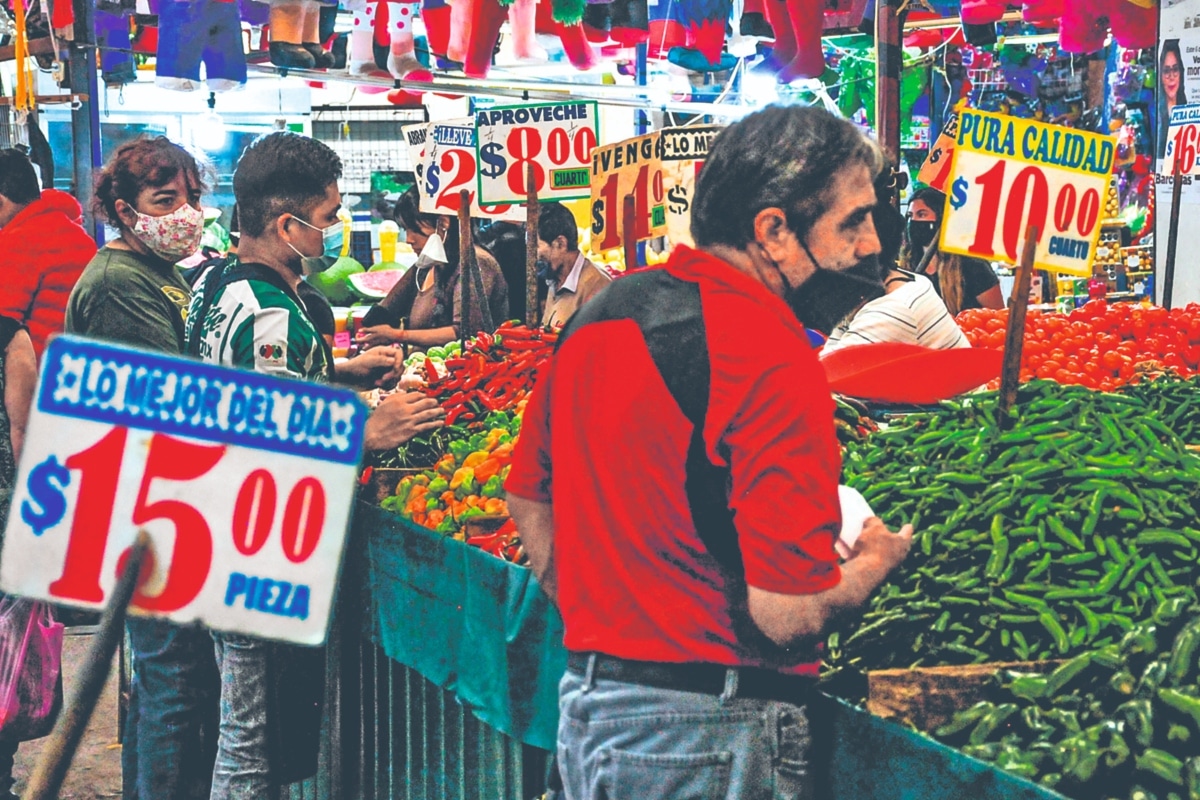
point(30, 669)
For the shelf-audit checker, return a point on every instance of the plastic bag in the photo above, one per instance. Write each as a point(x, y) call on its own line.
point(30, 669)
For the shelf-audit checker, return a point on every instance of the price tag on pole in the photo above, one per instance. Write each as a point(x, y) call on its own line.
point(936, 170)
point(683, 153)
point(448, 166)
point(556, 139)
point(632, 167)
point(244, 483)
point(1010, 174)
point(1182, 144)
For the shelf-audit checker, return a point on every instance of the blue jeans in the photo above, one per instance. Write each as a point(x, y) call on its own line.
point(170, 731)
point(243, 767)
point(622, 741)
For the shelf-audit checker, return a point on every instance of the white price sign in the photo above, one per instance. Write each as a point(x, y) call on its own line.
point(1011, 173)
point(244, 483)
point(414, 140)
point(555, 138)
point(448, 166)
point(683, 153)
point(1182, 141)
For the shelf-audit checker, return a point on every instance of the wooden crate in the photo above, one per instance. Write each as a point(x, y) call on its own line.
point(928, 697)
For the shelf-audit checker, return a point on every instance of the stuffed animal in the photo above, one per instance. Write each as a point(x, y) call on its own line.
point(389, 23)
point(475, 30)
point(195, 32)
point(295, 35)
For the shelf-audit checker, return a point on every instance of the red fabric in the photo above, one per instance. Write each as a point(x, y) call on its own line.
point(1081, 30)
point(45, 250)
point(604, 438)
point(1133, 27)
point(62, 14)
point(983, 12)
point(808, 23)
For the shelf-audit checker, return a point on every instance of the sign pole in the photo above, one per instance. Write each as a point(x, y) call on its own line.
point(59, 751)
point(1168, 283)
point(466, 249)
point(629, 232)
point(533, 314)
point(1010, 376)
point(470, 267)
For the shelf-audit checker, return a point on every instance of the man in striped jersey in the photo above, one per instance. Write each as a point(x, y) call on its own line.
point(248, 314)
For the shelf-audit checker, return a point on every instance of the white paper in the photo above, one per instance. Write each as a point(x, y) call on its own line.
point(855, 512)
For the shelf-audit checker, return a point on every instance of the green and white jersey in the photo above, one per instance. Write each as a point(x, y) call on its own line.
point(254, 321)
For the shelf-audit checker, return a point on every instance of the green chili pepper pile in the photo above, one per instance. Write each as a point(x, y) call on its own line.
point(1121, 721)
point(852, 421)
point(1035, 543)
point(1175, 403)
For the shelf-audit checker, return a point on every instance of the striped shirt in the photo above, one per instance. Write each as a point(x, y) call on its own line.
point(259, 324)
point(912, 314)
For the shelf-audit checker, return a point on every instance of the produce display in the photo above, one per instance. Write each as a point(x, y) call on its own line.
point(1120, 721)
point(1099, 346)
point(1040, 542)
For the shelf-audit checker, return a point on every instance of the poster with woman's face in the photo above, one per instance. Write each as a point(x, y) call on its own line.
point(1172, 83)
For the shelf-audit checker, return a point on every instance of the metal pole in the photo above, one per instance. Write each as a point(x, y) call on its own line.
point(59, 750)
point(470, 268)
point(533, 314)
point(888, 62)
point(629, 232)
point(466, 248)
point(641, 54)
point(1168, 282)
point(85, 117)
point(1010, 376)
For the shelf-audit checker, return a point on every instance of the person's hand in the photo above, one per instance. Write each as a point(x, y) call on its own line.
point(401, 417)
point(879, 542)
point(379, 366)
point(377, 335)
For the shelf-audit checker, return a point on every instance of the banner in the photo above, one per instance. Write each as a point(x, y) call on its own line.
point(556, 138)
point(683, 153)
point(632, 167)
point(448, 166)
point(1009, 173)
point(244, 483)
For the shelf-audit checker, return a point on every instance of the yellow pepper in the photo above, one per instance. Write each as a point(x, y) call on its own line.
point(475, 459)
point(462, 474)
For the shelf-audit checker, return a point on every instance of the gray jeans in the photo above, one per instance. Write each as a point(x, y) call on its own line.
point(622, 741)
point(242, 770)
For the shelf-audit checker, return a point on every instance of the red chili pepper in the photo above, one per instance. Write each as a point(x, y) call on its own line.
point(365, 478)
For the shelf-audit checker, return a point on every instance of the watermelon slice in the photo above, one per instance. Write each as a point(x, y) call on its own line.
point(375, 285)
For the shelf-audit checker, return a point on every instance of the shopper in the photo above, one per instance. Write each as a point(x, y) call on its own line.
point(133, 293)
point(694, 588)
point(424, 309)
point(911, 311)
point(249, 315)
point(961, 281)
point(45, 248)
point(18, 377)
point(573, 280)
point(506, 242)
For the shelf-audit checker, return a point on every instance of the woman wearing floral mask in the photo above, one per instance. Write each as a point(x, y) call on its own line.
point(133, 293)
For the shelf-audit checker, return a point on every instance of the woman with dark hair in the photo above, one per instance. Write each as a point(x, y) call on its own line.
point(961, 281)
point(133, 293)
point(1170, 89)
point(424, 309)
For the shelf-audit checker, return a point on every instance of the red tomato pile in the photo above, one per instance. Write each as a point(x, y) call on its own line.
point(1100, 346)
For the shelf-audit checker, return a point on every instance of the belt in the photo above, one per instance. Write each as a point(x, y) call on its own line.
point(752, 682)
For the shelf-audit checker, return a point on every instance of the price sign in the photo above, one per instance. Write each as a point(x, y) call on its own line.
point(448, 166)
point(936, 169)
point(1010, 173)
point(414, 140)
point(1182, 141)
point(244, 483)
point(556, 138)
point(683, 153)
point(619, 170)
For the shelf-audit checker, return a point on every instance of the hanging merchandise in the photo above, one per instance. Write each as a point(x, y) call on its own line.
point(195, 32)
point(630, 20)
point(1082, 29)
point(116, 46)
point(983, 12)
point(1134, 23)
point(807, 19)
point(704, 28)
point(295, 35)
point(436, 16)
point(1042, 12)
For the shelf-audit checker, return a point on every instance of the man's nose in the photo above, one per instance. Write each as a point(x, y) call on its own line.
point(868, 243)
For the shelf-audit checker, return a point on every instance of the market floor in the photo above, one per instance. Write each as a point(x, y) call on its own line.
point(96, 771)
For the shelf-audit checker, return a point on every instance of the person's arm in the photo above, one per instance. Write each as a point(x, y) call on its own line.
point(881, 320)
point(20, 380)
point(992, 298)
point(384, 335)
point(378, 366)
point(400, 418)
point(788, 619)
point(535, 522)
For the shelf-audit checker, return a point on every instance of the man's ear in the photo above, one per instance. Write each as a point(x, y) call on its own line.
point(772, 233)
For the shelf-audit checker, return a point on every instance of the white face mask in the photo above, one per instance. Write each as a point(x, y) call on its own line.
point(173, 237)
point(434, 252)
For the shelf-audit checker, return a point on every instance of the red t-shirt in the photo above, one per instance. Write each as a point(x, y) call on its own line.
point(607, 443)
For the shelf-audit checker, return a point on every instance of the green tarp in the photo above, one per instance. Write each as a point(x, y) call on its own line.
point(473, 624)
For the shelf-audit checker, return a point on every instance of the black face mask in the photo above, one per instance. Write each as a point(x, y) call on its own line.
point(824, 300)
point(921, 233)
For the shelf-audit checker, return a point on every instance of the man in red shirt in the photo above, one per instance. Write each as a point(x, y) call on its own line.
point(45, 249)
point(675, 483)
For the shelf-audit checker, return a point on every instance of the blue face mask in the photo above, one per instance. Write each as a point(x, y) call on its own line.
point(332, 238)
point(544, 269)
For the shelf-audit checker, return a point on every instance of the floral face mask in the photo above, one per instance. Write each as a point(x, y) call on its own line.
point(173, 237)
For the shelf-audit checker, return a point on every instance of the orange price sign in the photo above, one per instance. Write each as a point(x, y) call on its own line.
point(619, 170)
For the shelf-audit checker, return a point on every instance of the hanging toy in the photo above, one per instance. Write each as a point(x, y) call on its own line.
point(1041, 12)
point(630, 22)
point(754, 20)
point(195, 32)
point(436, 16)
point(704, 26)
point(295, 35)
point(667, 29)
point(522, 21)
point(1134, 25)
point(807, 18)
point(116, 47)
point(1082, 29)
